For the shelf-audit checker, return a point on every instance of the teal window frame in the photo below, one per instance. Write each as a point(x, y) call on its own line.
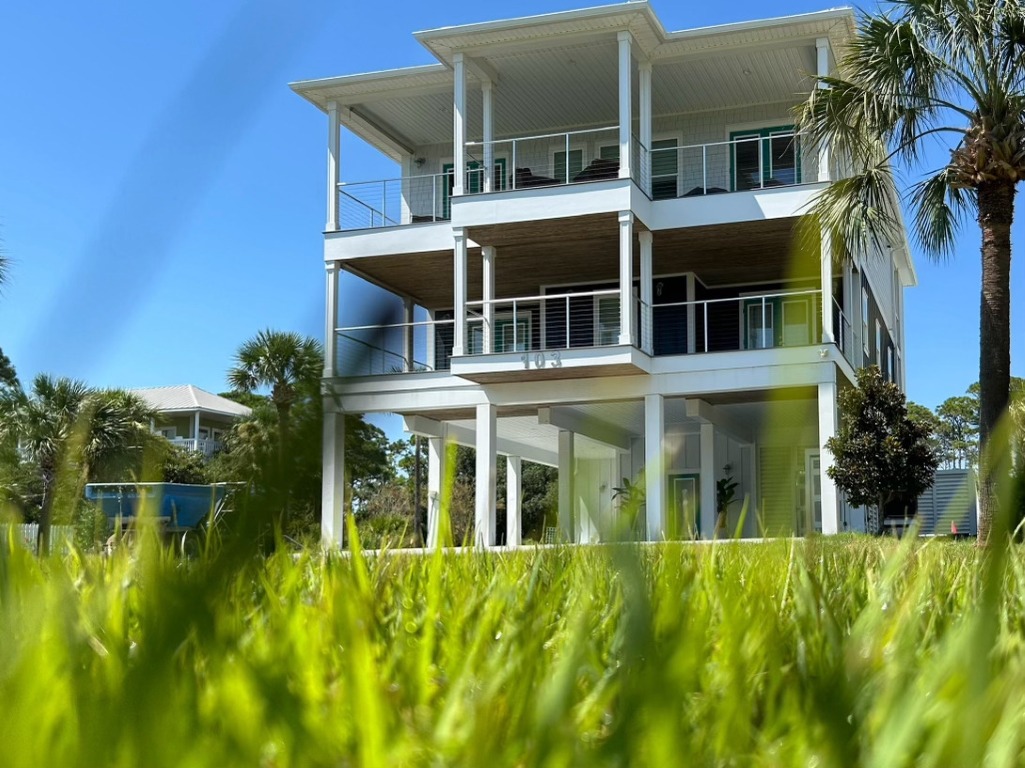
point(765, 136)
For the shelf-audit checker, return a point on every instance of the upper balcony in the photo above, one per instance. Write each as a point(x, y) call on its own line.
point(753, 160)
point(578, 113)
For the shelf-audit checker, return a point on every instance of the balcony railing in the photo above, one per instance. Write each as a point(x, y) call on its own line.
point(545, 160)
point(740, 164)
point(374, 350)
point(544, 322)
point(552, 322)
point(394, 202)
point(761, 321)
point(205, 446)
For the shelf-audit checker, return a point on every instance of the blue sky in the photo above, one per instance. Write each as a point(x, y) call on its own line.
point(162, 189)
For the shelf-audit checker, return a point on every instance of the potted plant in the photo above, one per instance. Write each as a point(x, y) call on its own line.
point(725, 493)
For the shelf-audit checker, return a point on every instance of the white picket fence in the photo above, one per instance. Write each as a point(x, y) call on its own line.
point(61, 536)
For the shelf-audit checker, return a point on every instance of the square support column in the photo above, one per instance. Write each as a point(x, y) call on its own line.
point(567, 485)
point(458, 125)
point(331, 321)
point(487, 476)
point(644, 105)
point(407, 333)
point(626, 277)
point(647, 329)
point(513, 500)
point(487, 90)
point(332, 499)
point(437, 458)
point(334, 156)
point(431, 352)
point(707, 482)
point(625, 102)
point(826, 273)
point(459, 292)
point(654, 467)
point(488, 294)
point(827, 429)
point(822, 70)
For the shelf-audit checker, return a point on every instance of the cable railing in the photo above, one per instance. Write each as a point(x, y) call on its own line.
point(743, 163)
point(761, 321)
point(374, 350)
point(395, 202)
point(544, 322)
point(545, 160)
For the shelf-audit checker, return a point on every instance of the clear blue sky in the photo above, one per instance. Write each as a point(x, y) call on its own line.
point(162, 189)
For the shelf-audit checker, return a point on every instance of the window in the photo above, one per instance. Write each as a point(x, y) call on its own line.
point(796, 322)
point(665, 164)
point(606, 310)
point(879, 343)
point(509, 336)
point(760, 325)
point(891, 375)
point(768, 157)
point(864, 319)
point(576, 165)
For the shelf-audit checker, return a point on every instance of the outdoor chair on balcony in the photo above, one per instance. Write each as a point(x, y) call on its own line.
point(524, 177)
point(699, 191)
point(598, 170)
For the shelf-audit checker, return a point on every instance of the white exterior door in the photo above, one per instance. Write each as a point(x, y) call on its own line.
point(813, 490)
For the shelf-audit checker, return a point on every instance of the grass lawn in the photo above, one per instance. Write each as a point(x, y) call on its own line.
point(846, 651)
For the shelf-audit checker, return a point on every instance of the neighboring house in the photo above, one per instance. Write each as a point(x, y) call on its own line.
point(192, 418)
point(556, 169)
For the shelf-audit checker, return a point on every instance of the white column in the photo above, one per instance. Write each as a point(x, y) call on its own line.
point(826, 269)
point(195, 428)
point(625, 103)
point(707, 481)
point(644, 99)
point(431, 353)
point(488, 294)
point(459, 292)
point(822, 69)
point(408, 317)
point(827, 429)
point(692, 315)
point(654, 467)
point(437, 455)
point(647, 329)
point(334, 155)
point(513, 500)
point(332, 499)
point(459, 125)
point(487, 89)
point(567, 485)
point(331, 321)
point(486, 428)
point(626, 277)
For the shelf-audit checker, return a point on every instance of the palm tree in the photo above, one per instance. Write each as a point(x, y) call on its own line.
point(288, 363)
point(917, 72)
point(72, 432)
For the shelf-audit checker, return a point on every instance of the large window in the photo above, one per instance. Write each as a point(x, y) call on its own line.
point(576, 165)
point(768, 157)
point(606, 310)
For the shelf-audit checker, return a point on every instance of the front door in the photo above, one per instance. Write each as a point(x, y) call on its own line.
point(684, 512)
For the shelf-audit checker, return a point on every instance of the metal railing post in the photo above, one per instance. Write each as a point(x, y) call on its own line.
point(761, 164)
point(567, 158)
point(704, 304)
point(514, 163)
point(515, 328)
point(567, 321)
point(704, 169)
point(384, 203)
point(763, 323)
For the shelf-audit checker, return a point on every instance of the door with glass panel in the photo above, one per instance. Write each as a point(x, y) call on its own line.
point(813, 491)
point(759, 323)
point(684, 513)
point(606, 311)
point(764, 157)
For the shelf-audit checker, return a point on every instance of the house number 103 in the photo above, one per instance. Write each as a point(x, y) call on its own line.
point(540, 360)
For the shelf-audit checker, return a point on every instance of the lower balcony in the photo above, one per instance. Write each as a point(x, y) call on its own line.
point(579, 334)
point(205, 446)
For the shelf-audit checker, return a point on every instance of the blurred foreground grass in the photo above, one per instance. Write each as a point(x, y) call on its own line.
point(834, 652)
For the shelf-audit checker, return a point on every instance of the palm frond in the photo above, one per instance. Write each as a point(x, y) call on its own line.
point(939, 210)
point(860, 213)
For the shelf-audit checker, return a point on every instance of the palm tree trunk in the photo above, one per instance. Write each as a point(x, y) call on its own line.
point(996, 211)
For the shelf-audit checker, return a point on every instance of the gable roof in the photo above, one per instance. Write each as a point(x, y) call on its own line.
point(185, 397)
